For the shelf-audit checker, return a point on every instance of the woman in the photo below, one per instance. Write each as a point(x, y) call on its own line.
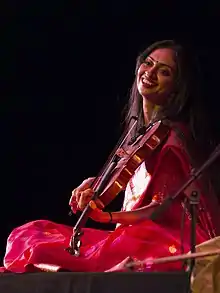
point(164, 88)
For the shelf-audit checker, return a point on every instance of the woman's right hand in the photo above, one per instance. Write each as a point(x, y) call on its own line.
point(81, 195)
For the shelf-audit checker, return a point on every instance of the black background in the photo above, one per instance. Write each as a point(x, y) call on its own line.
point(68, 68)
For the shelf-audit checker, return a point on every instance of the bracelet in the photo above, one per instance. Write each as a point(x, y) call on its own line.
point(110, 214)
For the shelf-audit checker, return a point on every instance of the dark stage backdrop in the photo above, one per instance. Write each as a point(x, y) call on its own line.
point(68, 68)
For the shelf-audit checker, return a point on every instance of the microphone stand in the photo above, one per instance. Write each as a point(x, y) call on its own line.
point(193, 176)
point(193, 202)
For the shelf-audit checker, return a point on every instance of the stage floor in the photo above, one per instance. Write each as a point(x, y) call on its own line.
point(93, 282)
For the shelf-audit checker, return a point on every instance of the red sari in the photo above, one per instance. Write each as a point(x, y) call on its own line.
point(40, 245)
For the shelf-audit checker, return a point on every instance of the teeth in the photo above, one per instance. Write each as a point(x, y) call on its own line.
point(147, 81)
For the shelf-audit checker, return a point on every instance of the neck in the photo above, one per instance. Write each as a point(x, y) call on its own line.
point(149, 110)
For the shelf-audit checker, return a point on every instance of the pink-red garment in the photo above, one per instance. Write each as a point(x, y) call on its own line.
point(40, 245)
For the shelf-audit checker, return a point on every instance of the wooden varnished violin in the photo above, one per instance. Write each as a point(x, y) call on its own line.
point(119, 171)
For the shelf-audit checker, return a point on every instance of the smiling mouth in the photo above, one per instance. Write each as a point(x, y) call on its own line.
point(146, 82)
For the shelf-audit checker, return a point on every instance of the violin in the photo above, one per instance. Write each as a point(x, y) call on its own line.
point(119, 170)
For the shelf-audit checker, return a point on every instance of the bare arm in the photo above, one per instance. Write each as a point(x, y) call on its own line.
point(132, 217)
point(125, 217)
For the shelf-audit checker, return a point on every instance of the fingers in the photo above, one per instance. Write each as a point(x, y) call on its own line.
point(72, 198)
point(92, 205)
point(81, 198)
point(85, 184)
point(82, 187)
point(82, 195)
point(122, 266)
point(84, 198)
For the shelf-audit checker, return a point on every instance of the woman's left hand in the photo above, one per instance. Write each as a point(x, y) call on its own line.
point(98, 215)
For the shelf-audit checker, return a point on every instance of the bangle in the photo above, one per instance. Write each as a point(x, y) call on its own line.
point(110, 214)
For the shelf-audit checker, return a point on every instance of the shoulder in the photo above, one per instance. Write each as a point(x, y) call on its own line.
point(179, 135)
point(175, 147)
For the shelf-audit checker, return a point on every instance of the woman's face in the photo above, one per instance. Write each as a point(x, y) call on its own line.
point(156, 75)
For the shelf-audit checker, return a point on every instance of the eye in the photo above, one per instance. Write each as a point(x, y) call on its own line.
point(165, 72)
point(147, 63)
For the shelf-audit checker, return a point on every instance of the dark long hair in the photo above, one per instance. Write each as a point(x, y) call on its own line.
point(186, 102)
point(186, 105)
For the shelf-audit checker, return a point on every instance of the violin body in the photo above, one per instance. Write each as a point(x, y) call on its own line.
point(131, 159)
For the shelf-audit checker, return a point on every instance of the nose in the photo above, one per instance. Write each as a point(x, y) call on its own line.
point(151, 72)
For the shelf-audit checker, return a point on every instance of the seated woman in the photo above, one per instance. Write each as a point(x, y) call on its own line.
point(163, 89)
